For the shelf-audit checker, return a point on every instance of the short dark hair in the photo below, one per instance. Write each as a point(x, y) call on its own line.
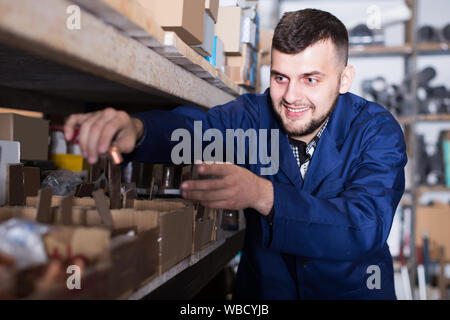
point(300, 29)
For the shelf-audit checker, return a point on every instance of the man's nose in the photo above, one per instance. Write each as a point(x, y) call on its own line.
point(293, 94)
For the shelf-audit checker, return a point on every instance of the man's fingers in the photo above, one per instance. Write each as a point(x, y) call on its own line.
point(85, 129)
point(207, 184)
point(213, 195)
point(125, 141)
point(215, 169)
point(221, 204)
point(72, 122)
point(94, 135)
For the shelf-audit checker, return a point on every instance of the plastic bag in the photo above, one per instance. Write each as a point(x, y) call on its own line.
point(22, 240)
point(62, 182)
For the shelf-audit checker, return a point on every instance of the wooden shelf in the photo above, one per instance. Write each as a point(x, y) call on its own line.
point(188, 277)
point(434, 117)
point(423, 49)
point(405, 120)
point(98, 63)
point(408, 120)
point(422, 189)
point(136, 22)
point(375, 51)
point(434, 48)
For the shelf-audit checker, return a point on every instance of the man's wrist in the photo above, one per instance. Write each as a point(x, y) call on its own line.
point(139, 127)
point(265, 197)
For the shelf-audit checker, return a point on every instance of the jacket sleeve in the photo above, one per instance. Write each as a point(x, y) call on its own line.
point(353, 225)
point(156, 144)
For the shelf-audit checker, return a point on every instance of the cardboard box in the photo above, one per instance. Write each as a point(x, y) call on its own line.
point(435, 221)
point(134, 260)
point(175, 221)
point(32, 133)
point(228, 28)
point(125, 220)
point(248, 32)
point(86, 202)
point(25, 213)
point(224, 3)
point(184, 17)
point(9, 154)
point(212, 8)
point(205, 227)
point(207, 47)
point(265, 42)
point(218, 57)
point(242, 69)
point(69, 242)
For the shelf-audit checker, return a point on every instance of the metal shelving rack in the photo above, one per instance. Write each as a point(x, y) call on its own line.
point(118, 58)
point(411, 50)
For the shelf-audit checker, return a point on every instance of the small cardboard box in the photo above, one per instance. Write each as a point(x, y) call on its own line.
point(26, 213)
point(212, 8)
point(228, 28)
point(68, 242)
point(184, 17)
point(435, 221)
point(206, 49)
point(9, 154)
point(32, 133)
point(248, 31)
point(265, 42)
point(175, 221)
point(86, 202)
point(134, 260)
point(242, 61)
point(204, 227)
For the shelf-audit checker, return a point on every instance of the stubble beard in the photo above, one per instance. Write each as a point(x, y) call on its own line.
point(311, 127)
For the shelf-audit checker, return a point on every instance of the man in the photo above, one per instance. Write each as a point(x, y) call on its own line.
point(316, 229)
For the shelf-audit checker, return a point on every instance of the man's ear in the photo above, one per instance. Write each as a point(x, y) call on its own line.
point(346, 79)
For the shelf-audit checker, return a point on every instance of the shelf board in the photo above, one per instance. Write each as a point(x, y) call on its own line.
point(136, 22)
point(434, 48)
point(376, 50)
point(405, 120)
point(433, 117)
point(103, 63)
point(186, 278)
point(408, 120)
point(422, 189)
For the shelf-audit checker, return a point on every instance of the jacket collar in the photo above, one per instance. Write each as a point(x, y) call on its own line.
point(327, 156)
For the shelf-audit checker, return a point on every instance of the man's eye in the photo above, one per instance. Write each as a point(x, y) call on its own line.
point(280, 79)
point(311, 80)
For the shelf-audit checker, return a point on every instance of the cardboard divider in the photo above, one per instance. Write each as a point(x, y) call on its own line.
point(56, 201)
point(175, 220)
point(205, 227)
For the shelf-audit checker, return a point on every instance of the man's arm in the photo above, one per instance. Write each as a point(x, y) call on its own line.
point(152, 130)
point(348, 227)
point(353, 225)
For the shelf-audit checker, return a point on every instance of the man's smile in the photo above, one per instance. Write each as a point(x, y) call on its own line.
point(296, 112)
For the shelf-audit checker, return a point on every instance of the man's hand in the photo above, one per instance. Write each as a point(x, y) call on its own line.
point(233, 188)
point(99, 130)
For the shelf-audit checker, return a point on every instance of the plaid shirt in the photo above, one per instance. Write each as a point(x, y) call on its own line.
point(303, 153)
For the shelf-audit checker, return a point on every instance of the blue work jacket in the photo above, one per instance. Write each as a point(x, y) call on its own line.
point(329, 232)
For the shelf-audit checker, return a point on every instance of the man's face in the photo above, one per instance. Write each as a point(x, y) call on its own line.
point(304, 87)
